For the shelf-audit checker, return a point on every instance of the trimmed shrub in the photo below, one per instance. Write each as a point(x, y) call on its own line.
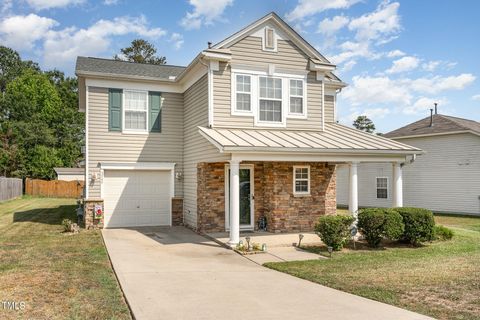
point(442, 233)
point(377, 223)
point(419, 224)
point(334, 230)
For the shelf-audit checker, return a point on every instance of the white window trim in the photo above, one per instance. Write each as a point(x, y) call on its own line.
point(265, 123)
point(295, 179)
point(302, 115)
point(254, 86)
point(264, 40)
point(234, 110)
point(376, 188)
point(134, 131)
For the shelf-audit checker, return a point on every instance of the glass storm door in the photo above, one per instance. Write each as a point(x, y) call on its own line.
point(246, 197)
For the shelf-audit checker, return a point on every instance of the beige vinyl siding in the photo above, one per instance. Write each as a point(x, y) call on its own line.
point(329, 108)
point(196, 148)
point(367, 184)
point(249, 52)
point(106, 146)
point(445, 179)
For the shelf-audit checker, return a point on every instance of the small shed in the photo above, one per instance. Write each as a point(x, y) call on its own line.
point(70, 174)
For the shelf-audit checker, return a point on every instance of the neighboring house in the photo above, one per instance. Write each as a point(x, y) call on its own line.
point(246, 130)
point(445, 179)
point(70, 174)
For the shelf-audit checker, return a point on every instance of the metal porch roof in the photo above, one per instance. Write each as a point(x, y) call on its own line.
point(335, 139)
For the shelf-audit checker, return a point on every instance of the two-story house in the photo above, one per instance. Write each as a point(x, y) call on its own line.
point(247, 130)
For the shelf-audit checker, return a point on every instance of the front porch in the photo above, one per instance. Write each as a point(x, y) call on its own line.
point(263, 190)
point(288, 177)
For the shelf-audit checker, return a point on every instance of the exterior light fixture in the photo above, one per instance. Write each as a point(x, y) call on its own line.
point(300, 237)
point(330, 250)
point(264, 247)
point(247, 238)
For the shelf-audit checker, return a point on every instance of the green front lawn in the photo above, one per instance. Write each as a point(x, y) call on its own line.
point(58, 276)
point(440, 279)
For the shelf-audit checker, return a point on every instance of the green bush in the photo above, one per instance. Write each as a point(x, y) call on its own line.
point(442, 233)
point(419, 224)
point(334, 230)
point(377, 223)
point(67, 225)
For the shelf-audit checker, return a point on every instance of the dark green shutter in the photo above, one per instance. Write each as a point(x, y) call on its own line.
point(115, 109)
point(155, 111)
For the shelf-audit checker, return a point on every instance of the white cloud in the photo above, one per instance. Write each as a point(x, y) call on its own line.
point(404, 64)
point(6, 7)
point(62, 47)
point(177, 40)
point(110, 2)
point(306, 8)
point(376, 90)
point(330, 26)
point(48, 4)
point(384, 21)
point(431, 65)
point(371, 29)
point(21, 32)
point(423, 105)
point(348, 66)
point(205, 12)
point(395, 54)
point(438, 84)
point(476, 97)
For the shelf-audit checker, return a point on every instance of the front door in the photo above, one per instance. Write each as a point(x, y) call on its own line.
point(246, 197)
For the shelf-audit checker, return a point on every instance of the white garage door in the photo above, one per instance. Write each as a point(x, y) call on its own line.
point(136, 198)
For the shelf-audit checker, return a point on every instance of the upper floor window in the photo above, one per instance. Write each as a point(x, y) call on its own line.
point(243, 95)
point(296, 97)
point(382, 188)
point(270, 99)
point(136, 110)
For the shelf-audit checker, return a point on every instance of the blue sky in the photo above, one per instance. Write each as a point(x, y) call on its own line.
point(398, 57)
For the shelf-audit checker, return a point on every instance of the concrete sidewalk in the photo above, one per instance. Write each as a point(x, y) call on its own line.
point(173, 273)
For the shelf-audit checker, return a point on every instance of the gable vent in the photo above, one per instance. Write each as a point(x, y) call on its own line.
point(269, 39)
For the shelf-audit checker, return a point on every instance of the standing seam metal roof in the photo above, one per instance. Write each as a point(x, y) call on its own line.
point(336, 137)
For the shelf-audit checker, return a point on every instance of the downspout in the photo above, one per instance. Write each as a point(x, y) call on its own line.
point(210, 92)
point(87, 182)
point(323, 104)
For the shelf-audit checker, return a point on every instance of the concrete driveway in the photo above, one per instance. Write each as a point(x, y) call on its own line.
point(173, 273)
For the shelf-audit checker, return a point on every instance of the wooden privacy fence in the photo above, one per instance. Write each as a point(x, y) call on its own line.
point(54, 188)
point(10, 188)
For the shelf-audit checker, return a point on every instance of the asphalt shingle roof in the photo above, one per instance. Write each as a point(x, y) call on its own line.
point(124, 68)
point(441, 124)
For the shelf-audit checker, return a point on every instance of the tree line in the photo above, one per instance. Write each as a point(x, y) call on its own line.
point(40, 126)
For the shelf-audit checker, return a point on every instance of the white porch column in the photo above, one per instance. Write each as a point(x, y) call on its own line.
point(234, 202)
point(353, 199)
point(397, 185)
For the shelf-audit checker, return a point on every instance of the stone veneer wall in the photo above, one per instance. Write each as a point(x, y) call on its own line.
point(88, 214)
point(274, 196)
point(177, 211)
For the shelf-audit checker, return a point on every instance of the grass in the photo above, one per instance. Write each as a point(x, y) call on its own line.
point(439, 279)
point(57, 275)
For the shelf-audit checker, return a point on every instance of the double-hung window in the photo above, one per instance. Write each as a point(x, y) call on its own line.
point(382, 188)
point(243, 93)
point(296, 97)
point(270, 99)
point(136, 110)
point(301, 180)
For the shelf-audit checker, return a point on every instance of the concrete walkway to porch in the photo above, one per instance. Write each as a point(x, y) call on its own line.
point(174, 273)
point(280, 246)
